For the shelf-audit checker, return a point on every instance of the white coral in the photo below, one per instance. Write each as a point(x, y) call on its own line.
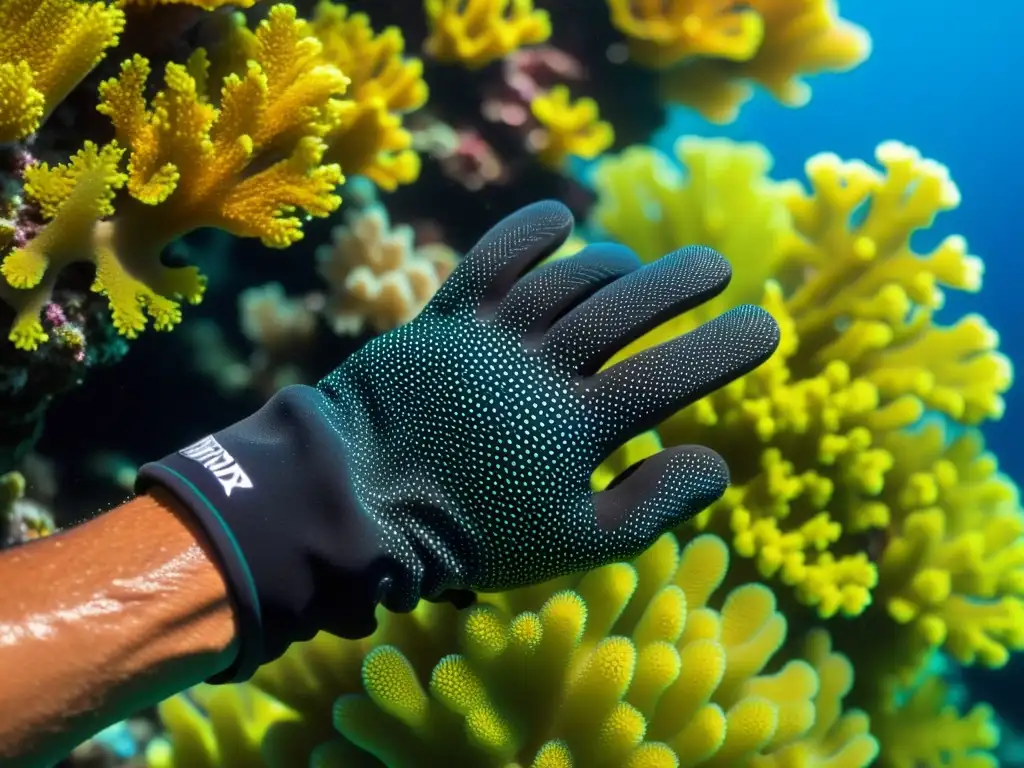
point(376, 276)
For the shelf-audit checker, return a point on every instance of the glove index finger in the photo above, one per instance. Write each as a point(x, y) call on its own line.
point(504, 254)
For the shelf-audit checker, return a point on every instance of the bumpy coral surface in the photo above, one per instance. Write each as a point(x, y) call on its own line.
point(569, 127)
point(46, 48)
point(376, 278)
point(474, 33)
point(648, 664)
point(369, 138)
point(187, 162)
point(712, 51)
point(859, 497)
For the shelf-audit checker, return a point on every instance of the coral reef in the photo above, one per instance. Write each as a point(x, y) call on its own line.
point(859, 498)
point(886, 538)
point(376, 278)
point(868, 531)
point(188, 165)
point(711, 51)
point(629, 665)
point(240, 149)
point(475, 33)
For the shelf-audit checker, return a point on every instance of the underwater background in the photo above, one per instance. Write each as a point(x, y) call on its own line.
point(856, 598)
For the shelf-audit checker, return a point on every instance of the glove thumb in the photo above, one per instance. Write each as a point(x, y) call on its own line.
point(662, 492)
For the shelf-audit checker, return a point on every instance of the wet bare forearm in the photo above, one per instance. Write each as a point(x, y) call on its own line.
point(102, 620)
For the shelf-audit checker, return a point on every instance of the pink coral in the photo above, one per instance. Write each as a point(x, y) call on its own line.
point(527, 74)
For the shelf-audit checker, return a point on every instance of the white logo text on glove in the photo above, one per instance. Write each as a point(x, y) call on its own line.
point(221, 464)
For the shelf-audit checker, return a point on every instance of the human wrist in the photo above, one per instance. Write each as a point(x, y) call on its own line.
point(273, 495)
point(144, 566)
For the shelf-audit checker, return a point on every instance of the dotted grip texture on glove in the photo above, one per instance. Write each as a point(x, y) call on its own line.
point(474, 429)
point(456, 452)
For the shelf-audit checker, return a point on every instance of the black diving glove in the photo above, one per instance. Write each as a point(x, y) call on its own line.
point(455, 452)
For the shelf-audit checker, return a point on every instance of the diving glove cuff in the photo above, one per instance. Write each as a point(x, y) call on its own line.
point(273, 495)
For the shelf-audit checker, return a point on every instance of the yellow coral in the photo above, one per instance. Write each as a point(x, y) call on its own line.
point(73, 196)
point(569, 128)
point(206, 5)
point(953, 567)
point(866, 272)
point(365, 134)
point(798, 37)
point(726, 200)
point(375, 276)
point(924, 731)
point(836, 739)
point(860, 362)
point(368, 138)
point(244, 164)
point(193, 158)
point(475, 33)
point(629, 665)
point(663, 34)
point(46, 49)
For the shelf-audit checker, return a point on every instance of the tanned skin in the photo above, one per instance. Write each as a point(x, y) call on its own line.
point(102, 620)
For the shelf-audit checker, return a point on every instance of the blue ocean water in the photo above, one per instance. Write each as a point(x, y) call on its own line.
point(942, 77)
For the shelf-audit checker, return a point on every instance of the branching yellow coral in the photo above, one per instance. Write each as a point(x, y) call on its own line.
point(927, 732)
point(244, 164)
point(475, 33)
point(189, 157)
point(368, 138)
point(954, 566)
point(629, 665)
point(365, 135)
point(569, 128)
point(715, 48)
point(860, 362)
point(47, 47)
point(663, 34)
point(725, 199)
point(864, 271)
point(206, 5)
point(73, 196)
point(375, 276)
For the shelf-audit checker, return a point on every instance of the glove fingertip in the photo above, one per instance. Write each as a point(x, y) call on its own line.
point(706, 261)
point(665, 489)
point(702, 476)
point(758, 326)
